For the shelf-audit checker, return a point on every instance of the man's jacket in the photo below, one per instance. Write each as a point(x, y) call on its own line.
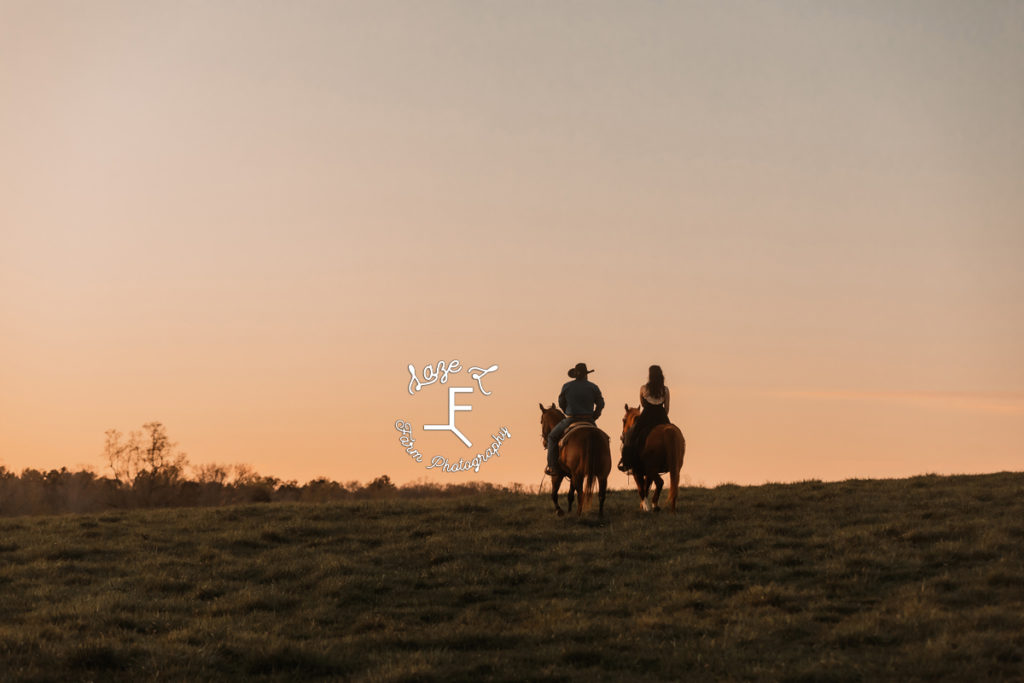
point(581, 397)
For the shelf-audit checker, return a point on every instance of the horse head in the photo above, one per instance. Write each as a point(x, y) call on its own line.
point(549, 417)
point(629, 419)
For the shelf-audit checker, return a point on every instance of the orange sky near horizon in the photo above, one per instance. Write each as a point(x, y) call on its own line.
point(245, 222)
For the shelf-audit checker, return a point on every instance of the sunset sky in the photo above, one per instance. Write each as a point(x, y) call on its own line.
point(246, 219)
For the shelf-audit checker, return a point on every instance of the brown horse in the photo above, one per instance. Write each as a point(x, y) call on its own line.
point(662, 452)
point(585, 454)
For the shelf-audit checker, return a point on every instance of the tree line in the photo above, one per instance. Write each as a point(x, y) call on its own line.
point(146, 469)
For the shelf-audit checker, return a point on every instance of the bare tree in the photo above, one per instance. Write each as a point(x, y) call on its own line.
point(211, 473)
point(244, 475)
point(148, 456)
point(122, 456)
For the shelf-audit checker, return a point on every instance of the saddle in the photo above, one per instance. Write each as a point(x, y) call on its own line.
point(582, 423)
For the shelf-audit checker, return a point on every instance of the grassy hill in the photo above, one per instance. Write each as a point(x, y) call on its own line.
point(910, 579)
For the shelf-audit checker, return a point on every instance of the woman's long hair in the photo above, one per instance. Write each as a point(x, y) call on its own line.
point(655, 382)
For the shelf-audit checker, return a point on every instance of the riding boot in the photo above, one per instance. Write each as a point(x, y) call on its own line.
point(552, 464)
point(625, 462)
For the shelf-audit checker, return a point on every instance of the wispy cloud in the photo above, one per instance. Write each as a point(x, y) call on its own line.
point(988, 402)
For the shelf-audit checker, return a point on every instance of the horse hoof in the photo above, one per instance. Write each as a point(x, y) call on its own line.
point(657, 509)
point(559, 512)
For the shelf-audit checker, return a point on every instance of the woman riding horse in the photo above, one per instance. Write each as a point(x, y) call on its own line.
point(654, 398)
point(662, 451)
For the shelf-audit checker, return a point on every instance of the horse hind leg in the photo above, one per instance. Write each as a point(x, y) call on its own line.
point(602, 488)
point(571, 494)
point(658, 484)
point(577, 483)
point(673, 490)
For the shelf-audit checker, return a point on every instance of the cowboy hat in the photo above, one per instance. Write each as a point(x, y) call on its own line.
point(580, 370)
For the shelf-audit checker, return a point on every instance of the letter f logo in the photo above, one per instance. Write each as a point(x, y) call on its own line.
point(452, 408)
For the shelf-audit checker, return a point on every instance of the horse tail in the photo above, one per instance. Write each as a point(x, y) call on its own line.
point(588, 470)
point(595, 446)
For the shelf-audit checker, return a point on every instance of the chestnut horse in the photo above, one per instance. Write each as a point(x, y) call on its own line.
point(585, 454)
point(662, 452)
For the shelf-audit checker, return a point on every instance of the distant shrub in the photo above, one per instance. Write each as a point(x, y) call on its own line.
point(61, 491)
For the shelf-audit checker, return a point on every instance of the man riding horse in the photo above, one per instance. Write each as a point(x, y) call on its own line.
point(580, 400)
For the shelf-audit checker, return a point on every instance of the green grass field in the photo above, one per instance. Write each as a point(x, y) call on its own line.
point(915, 579)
